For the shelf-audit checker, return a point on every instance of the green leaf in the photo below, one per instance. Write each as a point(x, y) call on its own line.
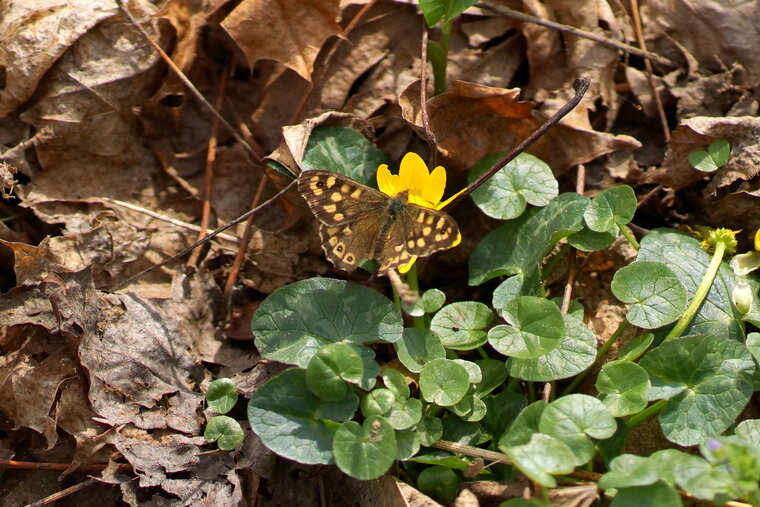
point(461, 432)
point(435, 10)
point(686, 258)
point(587, 240)
point(473, 370)
point(503, 408)
point(331, 368)
point(225, 431)
point(297, 320)
point(520, 245)
point(379, 402)
point(293, 422)
point(711, 160)
point(629, 470)
point(221, 395)
point(634, 349)
point(658, 494)
point(573, 419)
point(493, 375)
point(365, 451)
point(624, 388)
point(460, 325)
point(407, 444)
point(749, 430)
point(418, 347)
point(396, 382)
point(610, 209)
point(513, 287)
point(470, 408)
point(541, 458)
point(370, 367)
point(654, 292)
point(525, 180)
point(575, 352)
point(432, 300)
point(707, 382)
point(444, 382)
point(430, 429)
point(343, 150)
point(536, 328)
point(405, 413)
point(439, 482)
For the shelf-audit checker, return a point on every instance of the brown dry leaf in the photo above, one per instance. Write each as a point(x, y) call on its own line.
point(289, 31)
point(34, 34)
point(742, 133)
point(716, 32)
point(470, 121)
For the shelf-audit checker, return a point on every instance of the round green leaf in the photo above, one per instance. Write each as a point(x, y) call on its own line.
point(493, 375)
point(429, 430)
point(365, 451)
point(719, 150)
point(575, 352)
point(405, 413)
point(658, 494)
point(542, 458)
point(293, 422)
point(344, 150)
point(295, 321)
point(654, 292)
point(625, 388)
point(417, 347)
point(221, 395)
point(331, 368)
point(396, 382)
point(526, 179)
point(612, 208)
point(473, 370)
point(707, 380)
point(537, 327)
point(433, 300)
point(407, 444)
point(225, 431)
point(587, 240)
point(460, 325)
point(702, 161)
point(444, 382)
point(749, 430)
point(439, 482)
point(379, 402)
point(470, 408)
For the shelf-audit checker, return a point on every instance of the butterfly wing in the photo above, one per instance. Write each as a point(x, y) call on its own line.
point(351, 215)
point(417, 232)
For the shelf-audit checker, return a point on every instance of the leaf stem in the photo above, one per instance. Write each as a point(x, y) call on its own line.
point(700, 294)
point(439, 71)
point(600, 355)
point(646, 414)
point(414, 285)
point(628, 234)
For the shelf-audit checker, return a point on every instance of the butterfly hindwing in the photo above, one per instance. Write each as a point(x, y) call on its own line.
point(419, 233)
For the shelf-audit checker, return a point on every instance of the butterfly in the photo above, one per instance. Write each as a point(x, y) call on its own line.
point(359, 222)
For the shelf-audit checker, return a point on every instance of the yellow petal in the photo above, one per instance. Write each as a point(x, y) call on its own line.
point(404, 268)
point(458, 240)
point(436, 183)
point(387, 183)
point(413, 174)
point(447, 201)
point(757, 240)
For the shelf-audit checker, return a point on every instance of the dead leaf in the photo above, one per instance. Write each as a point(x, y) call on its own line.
point(289, 31)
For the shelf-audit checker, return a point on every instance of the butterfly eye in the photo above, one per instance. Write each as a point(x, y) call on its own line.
point(320, 184)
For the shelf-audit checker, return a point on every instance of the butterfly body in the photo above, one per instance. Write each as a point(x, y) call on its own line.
point(359, 222)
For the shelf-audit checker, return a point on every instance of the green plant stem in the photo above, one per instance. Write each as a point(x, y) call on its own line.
point(646, 414)
point(701, 294)
point(439, 71)
point(547, 271)
point(628, 233)
point(483, 353)
point(600, 355)
point(414, 285)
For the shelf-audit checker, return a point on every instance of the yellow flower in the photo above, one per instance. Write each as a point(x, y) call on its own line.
point(757, 240)
point(424, 188)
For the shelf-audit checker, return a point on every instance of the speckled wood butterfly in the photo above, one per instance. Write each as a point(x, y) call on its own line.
point(359, 222)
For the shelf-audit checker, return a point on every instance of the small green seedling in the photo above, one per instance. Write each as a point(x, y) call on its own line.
point(225, 431)
point(713, 159)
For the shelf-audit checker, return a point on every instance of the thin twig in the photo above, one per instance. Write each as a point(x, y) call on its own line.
point(643, 53)
point(215, 233)
point(60, 495)
point(650, 72)
point(198, 95)
point(208, 180)
point(167, 219)
point(423, 91)
point(580, 85)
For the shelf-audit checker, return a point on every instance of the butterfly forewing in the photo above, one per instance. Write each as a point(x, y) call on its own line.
point(335, 199)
